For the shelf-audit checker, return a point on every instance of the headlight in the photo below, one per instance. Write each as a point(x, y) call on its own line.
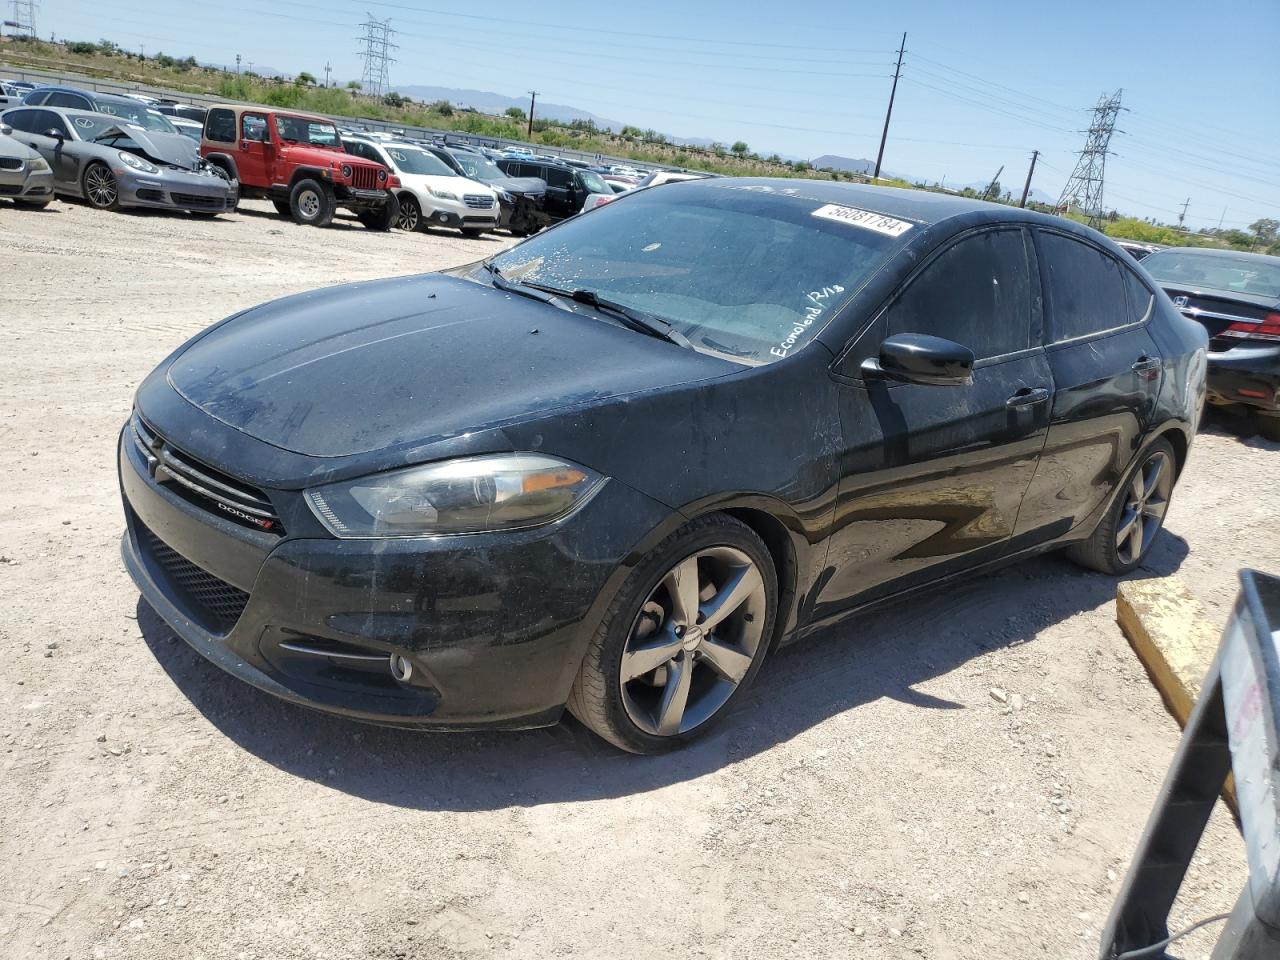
point(39, 163)
point(382, 176)
point(472, 495)
point(135, 161)
point(443, 194)
point(346, 171)
point(506, 197)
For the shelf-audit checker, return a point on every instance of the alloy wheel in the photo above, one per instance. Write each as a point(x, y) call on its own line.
point(309, 204)
point(1145, 503)
point(693, 642)
point(408, 217)
point(100, 185)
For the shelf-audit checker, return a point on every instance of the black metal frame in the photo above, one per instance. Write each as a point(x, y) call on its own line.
point(1240, 696)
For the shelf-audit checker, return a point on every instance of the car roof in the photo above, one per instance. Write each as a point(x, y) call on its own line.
point(239, 108)
point(1218, 252)
point(91, 94)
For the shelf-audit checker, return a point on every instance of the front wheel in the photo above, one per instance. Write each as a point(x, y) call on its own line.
point(312, 203)
point(1126, 533)
point(100, 187)
point(410, 214)
point(381, 218)
point(684, 637)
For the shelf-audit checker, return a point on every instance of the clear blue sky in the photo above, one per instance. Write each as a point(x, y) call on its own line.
point(983, 83)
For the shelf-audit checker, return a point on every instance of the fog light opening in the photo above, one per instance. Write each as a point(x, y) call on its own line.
point(401, 668)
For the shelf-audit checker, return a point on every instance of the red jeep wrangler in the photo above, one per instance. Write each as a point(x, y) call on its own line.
point(297, 162)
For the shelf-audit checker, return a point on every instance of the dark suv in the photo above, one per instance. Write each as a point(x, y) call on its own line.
point(567, 187)
point(73, 98)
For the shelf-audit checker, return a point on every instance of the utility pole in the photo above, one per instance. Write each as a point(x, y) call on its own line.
point(1026, 187)
point(327, 70)
point(24, 18)
point(237, 64)
point(1222, 219)
point(992, 185)
point(1183, 215)
point(888, 113)
point(533, 98)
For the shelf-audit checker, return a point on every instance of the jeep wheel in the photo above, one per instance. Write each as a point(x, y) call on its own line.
point(282, 208)
point(381, 218)
point(410, 214)
point(311, 203)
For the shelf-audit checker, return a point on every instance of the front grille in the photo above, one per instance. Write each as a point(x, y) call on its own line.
point(216, 604)
point(151, 194)
point(198, 201)
point(204, 485)
point(10, 163)
point(478, 201)
point(364, 178)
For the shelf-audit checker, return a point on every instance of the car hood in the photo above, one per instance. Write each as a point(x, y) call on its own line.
point(9, 147)
point(402, 362)
point(435, 181)
point(171, 148)
point(522, 185)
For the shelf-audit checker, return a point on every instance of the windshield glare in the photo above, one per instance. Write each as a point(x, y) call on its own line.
point(591, 180)
point(478, 168)
point(413, 160)
point(302, 130)
point(749, 275)
point(1241, 274)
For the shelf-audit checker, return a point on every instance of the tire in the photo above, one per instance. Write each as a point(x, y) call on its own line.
point(1269, 427)
point(32, 204)
point(472, 232)
point(311, 203)
point(283, 207)
point(1108, 550)
point(410, 218)
point(99, 187)
point(381, 218)
point(645, 622)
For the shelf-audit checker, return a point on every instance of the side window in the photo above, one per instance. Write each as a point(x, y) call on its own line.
point(1139, 297)
point(72, 101)
point(21, 120)
point(977, 292)
point(36, 97)
point(559, 177)
point(220, 125)
point(51, 121)
point(253, 127)
point(1084, 286)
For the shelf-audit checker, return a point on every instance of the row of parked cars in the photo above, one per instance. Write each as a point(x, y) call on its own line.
point(134, 151)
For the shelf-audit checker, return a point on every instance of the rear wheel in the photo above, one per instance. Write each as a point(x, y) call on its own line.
point(684, 637)
point(381, 218)
point(282, 208)
point(1127, 532)
point(1269, 426)
point(312, 203)
point(100, 187)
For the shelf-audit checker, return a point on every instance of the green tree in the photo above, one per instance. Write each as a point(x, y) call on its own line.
point(515, 113)
point(740, 148)
point(442, 107)
point(305, 79)
point(1265, 230)
point(354, 86)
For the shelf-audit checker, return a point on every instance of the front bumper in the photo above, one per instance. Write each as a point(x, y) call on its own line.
point(1246, 374)
point(492, 627)
point(457, 214)
point(176, 190)
point(32, 186)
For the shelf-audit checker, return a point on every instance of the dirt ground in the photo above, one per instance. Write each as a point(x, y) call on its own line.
point(962, 777)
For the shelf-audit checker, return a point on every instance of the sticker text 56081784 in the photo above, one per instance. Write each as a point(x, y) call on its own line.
point(865, 219)
point(819, 300)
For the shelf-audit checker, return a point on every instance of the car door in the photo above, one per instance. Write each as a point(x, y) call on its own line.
point(39, 125)
point(1106, 369)
point(254, 156)
point(933, 477)
point(560, 193)
point(64, 157)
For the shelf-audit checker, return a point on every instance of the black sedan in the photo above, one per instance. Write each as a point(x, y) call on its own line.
point(614, 466)
point(1236, 296)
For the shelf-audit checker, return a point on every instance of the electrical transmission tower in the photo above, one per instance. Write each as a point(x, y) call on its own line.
point(1084, 187)
point(23, 23)
point(376, 47)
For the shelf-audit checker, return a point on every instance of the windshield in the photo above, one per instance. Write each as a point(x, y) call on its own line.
point(478, 168)
point(413, 160)
point(90, 126)
point(137, 113)
point(591, 180)
point(745, 274)
point(1241, 274)
point(318, 133)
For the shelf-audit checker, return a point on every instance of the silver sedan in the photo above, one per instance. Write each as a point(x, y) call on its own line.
point(112, 163)
point(25, 176)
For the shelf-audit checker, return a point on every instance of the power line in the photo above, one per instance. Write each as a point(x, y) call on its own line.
point(1084, 187)
point(377, 39)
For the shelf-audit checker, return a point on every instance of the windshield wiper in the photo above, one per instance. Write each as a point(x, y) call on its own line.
point(638, 320)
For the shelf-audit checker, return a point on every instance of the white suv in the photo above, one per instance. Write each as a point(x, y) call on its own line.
point(431, 193)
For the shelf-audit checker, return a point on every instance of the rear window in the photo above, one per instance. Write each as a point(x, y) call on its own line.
point(1238, 274)
point(744, 274)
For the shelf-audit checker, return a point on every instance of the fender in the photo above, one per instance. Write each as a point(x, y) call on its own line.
point(309, 173)
point(225, 160)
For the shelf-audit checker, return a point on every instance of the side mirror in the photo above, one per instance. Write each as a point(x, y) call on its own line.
point(55, 133)
point(919, 358)
point(5, 130)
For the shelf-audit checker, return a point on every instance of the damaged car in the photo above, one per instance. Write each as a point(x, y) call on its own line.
point(112, 163)
point(612, 468)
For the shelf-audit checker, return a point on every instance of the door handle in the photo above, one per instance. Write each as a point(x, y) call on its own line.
point(1027, 396)
point(1145, 364)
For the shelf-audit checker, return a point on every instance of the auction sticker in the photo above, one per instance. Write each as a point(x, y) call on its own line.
point(863, 218)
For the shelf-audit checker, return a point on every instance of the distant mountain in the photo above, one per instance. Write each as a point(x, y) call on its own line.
point(1015, 189)
point(843, 163)
point(496, 103)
